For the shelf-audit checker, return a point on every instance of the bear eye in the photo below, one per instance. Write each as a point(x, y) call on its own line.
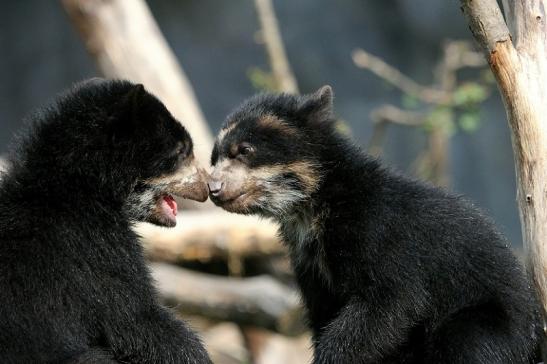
point(182, 149)
point(245, 149)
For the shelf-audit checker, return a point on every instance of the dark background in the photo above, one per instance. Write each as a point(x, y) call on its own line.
point(215, 43)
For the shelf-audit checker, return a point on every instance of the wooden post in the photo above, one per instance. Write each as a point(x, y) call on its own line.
point(517, 54)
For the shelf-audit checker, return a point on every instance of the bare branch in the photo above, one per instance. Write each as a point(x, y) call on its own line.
point(433, 165)
point(389, 114)
point(468, 57)
point(457, 54)
point(376, 141)
point(486, 23)
point(395, 115)
point(392, 75)
point(271, 35)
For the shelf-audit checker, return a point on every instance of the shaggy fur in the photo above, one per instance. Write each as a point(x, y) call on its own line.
point(391, 270)
point(74, 287)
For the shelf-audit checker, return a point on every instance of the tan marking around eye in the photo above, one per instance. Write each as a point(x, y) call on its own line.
point(273, 122)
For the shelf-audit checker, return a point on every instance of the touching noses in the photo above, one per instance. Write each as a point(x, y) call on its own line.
point(215, 187)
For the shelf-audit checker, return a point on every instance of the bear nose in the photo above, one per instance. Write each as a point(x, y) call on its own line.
point(215, 187)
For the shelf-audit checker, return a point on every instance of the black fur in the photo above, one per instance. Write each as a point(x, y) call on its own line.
point(74, 287)
point(391, 270)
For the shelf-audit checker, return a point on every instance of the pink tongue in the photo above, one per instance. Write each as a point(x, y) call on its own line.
point(169, 206)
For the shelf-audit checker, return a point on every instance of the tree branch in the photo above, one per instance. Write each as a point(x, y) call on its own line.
point(389, 114)
point(433, 164)
point(395, 115)
point(286, 82)
point(486, 23)
point(363, 59)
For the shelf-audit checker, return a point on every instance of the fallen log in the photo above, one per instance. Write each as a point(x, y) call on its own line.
point(225, 344)
point(258, 301)
point(206, 235)
point(267, 347)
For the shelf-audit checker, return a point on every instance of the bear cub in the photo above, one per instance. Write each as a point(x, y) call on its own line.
point(391, 270)
point(74, 287)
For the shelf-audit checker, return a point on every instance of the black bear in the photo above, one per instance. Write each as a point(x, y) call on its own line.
point(74, 287)
point(391, 270)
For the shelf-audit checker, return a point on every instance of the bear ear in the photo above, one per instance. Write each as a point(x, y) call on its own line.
point(126, 117)
point(133, 101)
point(318, 107)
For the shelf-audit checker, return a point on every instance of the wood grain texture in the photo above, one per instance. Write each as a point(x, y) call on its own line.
point(517, 55)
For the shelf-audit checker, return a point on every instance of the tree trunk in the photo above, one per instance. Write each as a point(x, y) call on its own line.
point(517, 54)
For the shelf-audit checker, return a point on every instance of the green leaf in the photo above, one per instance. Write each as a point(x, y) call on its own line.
point(343, 127)
point(440, 118)
point(261, 80)
point(410, 102)
point(469, 93)
point(469, 121)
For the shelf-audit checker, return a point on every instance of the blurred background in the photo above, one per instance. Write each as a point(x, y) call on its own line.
point(408, 85)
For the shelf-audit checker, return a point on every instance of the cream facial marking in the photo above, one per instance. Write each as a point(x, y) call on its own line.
point(274, 123)
point(189, 181)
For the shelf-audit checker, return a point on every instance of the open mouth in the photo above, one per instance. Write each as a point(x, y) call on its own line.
point(157, 196)
point(168, 208)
